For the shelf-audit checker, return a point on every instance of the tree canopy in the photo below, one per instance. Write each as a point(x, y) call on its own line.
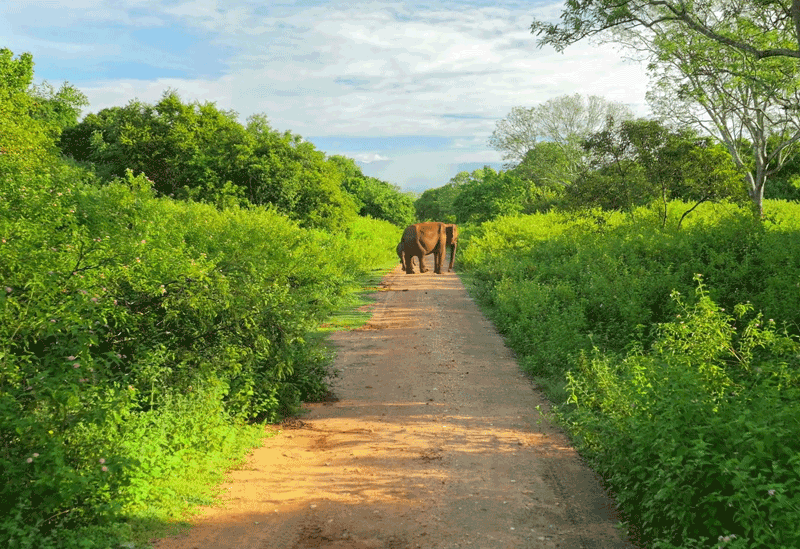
point(197, 151)
point(563, 120)
point(640, 162)
point(775, 24)
point(726, 67)
point(31, 116)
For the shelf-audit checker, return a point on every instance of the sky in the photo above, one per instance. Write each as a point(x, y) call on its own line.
point(410, 91)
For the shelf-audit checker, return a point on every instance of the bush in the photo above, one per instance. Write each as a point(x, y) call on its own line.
point(687, 410)
point(136, 330)
point(708, 420)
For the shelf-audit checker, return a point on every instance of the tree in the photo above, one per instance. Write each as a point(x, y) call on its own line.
point(749, 105)
point(549, 165)
point(725, 67)
point(614, 179)
point(373, 197)
point(639, 162)
point(280, 168)
point(26, 143)
point(779, 20)
point(563, 120)
point(196, 151)
point(709, 175)
point(186, 149)
point(493, 195)
point(437, 204)
point(59, 109)
point(516, 134)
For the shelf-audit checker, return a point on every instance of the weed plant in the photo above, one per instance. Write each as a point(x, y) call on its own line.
point(672, 356)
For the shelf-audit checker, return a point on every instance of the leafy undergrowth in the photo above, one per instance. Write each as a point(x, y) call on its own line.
point(143, 340)
point(672, 356)
point(354, 311)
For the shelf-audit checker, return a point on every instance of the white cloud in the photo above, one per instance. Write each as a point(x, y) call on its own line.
point(359, 69)
point(369, 158)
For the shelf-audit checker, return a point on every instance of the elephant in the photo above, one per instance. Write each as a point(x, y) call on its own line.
point(419, 240)
point(452, 242)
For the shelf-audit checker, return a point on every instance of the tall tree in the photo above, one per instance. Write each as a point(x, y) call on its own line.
point(725, 67)
point(374, 197)
point(639, 162)
point(25, 143)
point(713, 19)
point(750, 105)
point(491, 195)
point(437, 204)
point(516, 134)
point(549, 165)
point(196, 151)
point(563, 120)
point(59, 108)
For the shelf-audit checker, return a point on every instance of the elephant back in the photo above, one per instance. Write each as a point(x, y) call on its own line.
point(424, 237)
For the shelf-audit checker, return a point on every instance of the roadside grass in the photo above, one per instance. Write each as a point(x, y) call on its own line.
point(181, 496)
point(355, 309)
point(184, 496)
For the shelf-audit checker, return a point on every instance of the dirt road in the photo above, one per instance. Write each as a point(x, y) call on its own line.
point(433, 443)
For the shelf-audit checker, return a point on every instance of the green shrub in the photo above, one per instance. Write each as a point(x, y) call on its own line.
point(136, 330)
point(687, 410)
point(708, 419)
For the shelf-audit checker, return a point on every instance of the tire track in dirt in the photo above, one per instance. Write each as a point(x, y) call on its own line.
point(433, 443)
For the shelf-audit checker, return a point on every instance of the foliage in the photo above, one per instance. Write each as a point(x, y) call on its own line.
point(375, 198)
point(196, 151)
point(725, 67)
point(773, 24)
point(516, 134)
point(121, 312)
point(785, 183)
point(495, 194)
point(749, 104)
point(637, 162)
point(437, 204)
point(562, 120)
point(700, 393)
point(59, 109)
point(25, 142)
point(550, 165)
point(140, 334)
point(708, 417)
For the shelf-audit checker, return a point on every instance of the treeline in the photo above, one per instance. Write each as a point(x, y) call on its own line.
point(584, 153)
point(196, 151)
point(161, 268)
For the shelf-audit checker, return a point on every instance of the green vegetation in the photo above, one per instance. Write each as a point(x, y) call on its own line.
point(724, 67)
point(642, 281)
point(167, 276)
point(198, 152)
point(145, 339)
point(652, 287)
point(672, 355)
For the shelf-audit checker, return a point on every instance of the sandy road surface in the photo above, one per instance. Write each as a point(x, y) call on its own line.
point(434, 443)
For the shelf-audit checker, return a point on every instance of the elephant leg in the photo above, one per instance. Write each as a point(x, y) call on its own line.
point(408, 263)
point(422, 267)
point(438, 261)
point(452, 257)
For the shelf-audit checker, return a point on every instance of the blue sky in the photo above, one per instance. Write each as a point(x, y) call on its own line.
point(411, 91)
